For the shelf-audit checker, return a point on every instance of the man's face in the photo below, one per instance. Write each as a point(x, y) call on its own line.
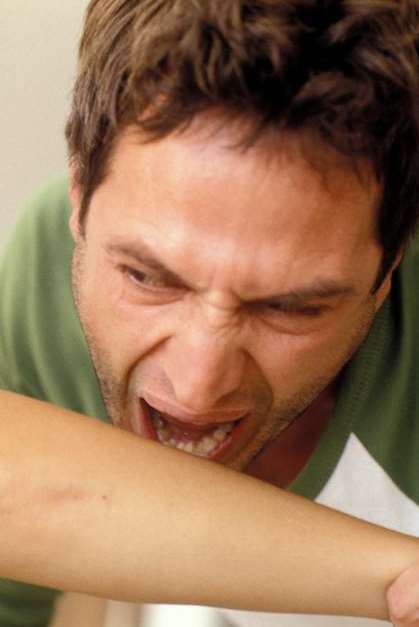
point(221, 291)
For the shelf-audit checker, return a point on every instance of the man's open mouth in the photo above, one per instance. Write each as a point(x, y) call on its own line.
point(209, 441)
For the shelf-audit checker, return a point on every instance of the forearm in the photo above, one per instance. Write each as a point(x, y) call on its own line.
point(89, 508)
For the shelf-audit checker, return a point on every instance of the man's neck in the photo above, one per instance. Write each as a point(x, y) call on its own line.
point(281, 460)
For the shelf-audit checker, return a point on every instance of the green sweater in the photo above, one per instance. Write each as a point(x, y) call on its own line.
point(367, 462)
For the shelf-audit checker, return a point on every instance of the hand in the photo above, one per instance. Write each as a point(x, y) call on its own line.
point(403, 598)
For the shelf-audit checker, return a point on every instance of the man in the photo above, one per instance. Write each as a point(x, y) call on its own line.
point(243, 200)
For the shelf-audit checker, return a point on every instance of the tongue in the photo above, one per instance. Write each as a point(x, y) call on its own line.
point(185, 433)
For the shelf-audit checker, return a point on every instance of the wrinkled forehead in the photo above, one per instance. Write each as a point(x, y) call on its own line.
point(209, 154)
point(214, 135)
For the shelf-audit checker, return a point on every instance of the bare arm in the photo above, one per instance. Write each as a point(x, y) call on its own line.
point(88, 508)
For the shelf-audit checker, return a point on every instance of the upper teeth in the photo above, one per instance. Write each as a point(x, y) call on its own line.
point(201, 447)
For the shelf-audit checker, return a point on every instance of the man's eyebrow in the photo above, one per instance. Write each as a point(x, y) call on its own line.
point(143, 254)
point(322, 289)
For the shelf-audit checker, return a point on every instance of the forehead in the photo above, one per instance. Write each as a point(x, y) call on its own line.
point(196, 200)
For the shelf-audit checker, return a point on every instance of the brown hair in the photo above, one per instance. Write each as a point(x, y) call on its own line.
point(346, 69)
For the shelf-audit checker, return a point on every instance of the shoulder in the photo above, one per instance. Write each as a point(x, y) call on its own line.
point(39, 251)
point(42, 348)
point(412, 250)
point(408, 275)
point(47, 212)
point(41, 229)
point(34, 287)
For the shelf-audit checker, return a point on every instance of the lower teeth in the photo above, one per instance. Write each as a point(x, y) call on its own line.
point(202, 447)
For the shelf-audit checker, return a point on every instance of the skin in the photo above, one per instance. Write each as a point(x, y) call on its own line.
point(402, 598)
point(243, 233)
point(93, 509)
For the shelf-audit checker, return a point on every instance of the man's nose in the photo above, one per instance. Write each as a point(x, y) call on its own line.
point(205, 368)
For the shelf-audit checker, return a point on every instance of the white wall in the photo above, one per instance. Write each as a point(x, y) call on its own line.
point(38, 43)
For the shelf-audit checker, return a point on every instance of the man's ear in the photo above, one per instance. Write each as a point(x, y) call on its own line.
point(75, 197)
point(385, 286)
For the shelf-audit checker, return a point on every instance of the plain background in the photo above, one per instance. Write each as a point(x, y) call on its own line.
point(38, 51)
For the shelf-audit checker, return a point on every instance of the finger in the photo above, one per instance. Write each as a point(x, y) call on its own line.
point(403, 598)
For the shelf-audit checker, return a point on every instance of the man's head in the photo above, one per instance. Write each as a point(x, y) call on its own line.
point(243, 180)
